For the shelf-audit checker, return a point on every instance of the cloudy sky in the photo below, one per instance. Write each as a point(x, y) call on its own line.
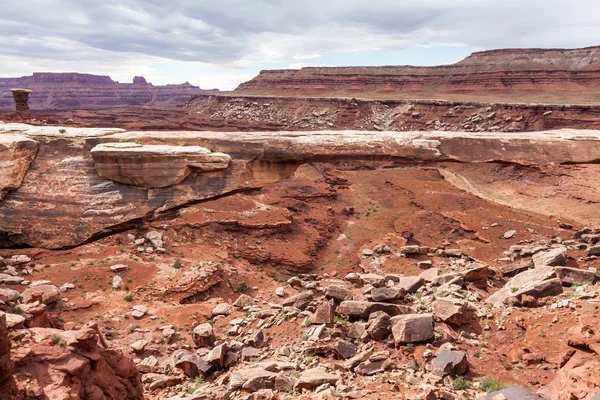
point(221, 43)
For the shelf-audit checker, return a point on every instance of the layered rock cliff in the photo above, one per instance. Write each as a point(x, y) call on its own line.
point(84, 183)
point(70, 91)
point(527, 75)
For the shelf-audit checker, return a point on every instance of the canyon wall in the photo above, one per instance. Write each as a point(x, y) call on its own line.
point(513, 75)
point(73, 91)
point(83, 183)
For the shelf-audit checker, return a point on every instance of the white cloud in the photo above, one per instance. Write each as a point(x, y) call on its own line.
point(118, 37)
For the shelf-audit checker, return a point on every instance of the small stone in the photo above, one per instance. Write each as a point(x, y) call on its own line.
point(139, 311)
point(509, 234)
point(117, 282)
point(119, 268)
point(221, 309)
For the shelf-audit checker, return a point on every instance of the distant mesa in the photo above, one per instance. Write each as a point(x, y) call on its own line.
point(505, 75)
point(74, 91)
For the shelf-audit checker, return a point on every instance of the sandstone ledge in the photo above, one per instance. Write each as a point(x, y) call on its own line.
point(154, 166)
point(16, 154)
point(87, 183)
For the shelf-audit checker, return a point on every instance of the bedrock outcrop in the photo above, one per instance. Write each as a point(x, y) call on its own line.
point(16, 154)
point(154, 166)
point(72, 193)
point(531, 75)
point(73, 91)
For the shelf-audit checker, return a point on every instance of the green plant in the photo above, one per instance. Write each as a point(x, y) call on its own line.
point(477, 354)
point(177, 264)
point(242, 286)
point(310, 359)
point(306, 323)
point(461, 383)
point(488, 384)
point(409, 348)
point(55, 338)
point(128, 298)
point(340, 320)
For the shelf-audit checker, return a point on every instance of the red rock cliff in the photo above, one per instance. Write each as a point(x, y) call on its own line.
point(538, 75)
point(71, 91)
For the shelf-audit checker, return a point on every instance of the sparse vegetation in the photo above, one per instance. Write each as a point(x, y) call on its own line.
point(461, 383)
point(128, 298)
point(242, 287)
point(409, 348)
point(489, 385)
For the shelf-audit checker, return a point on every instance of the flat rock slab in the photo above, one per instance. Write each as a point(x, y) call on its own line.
point(519, 282)
point(58, 131)
point(154, 166)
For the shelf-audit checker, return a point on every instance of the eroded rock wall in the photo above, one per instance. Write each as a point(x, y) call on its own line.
point(84, 183)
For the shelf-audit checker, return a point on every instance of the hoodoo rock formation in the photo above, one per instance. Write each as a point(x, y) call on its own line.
point(21, 97)
point(73, 91)
point(88, 182)
point(531, 75)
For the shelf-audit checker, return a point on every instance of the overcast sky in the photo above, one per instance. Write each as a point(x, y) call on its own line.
point(221, 43)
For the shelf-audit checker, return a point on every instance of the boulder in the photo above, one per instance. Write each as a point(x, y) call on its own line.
point(521, 281)
point(550, 258)
point(338, 292)
point(379, 325)
point(256, 339)
point(412, 328)
point(191, 364)
point(217, 356)
point(569, 276)
point(372, 279)
point(323, 314)
point(238, 378)
point(513, 393)
point(369, 367)
point(203, 335)
point(450, 309)
point(450, 363)
point(48, 294)
point(387, 293)
point(221, 309)
point(300, 301)
point(345, 349)
point(362, 309)
point(243, 301)
point(315, 377)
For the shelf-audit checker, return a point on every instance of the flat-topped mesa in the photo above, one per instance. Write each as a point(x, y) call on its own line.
point(21, 97)
point(154, 166)
point(508, 75)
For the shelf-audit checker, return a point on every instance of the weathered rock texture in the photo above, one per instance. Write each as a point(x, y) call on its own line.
point(21, 97)
point(72, 364)
point(16, 154)
point(70, 91)
point(562, 75)
point(259, 113)
point(154, 166)
point(7, 383)
point(68, 201)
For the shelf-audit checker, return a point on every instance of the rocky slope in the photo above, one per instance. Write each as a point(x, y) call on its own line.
point(527, 75)
point(73, 91)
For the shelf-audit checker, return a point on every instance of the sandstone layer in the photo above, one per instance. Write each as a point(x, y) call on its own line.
point(16, 154)
point(71, 91)
point(68, 199)
point(531, 75)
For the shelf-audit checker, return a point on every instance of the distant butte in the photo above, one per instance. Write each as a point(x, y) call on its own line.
point(505, 75)
point(74, 91)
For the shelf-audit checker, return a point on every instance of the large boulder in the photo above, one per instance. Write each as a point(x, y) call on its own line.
point(569, 276)
point(452, 363)
point(412, 328)
point(48, 294)
point(522, 281)
point(551, 258)
point(315, 377)
point(450, 310)
point(203, 335)
point(300, 301)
